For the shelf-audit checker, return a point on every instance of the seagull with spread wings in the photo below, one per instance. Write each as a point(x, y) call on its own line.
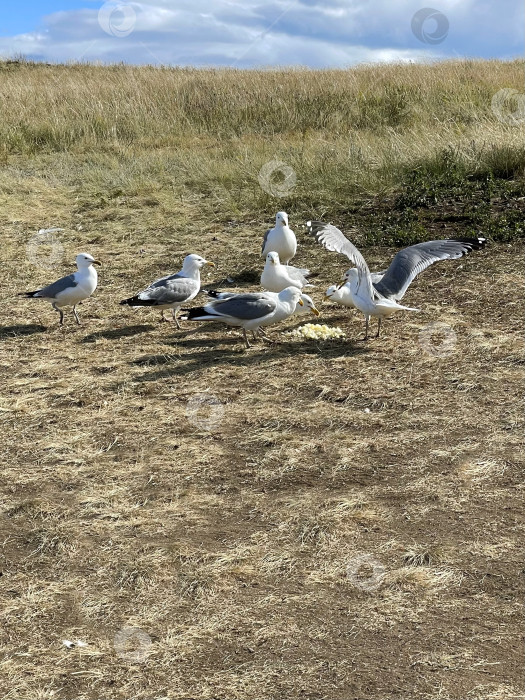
point(378, 294)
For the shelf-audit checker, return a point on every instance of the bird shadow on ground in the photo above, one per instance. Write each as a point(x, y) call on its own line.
point(14, 331)
point(116, 333)
point(176, 366)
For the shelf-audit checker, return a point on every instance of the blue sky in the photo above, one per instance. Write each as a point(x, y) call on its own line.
point(251, 33)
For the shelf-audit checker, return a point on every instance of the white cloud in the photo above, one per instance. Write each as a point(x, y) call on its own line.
point(279, 32)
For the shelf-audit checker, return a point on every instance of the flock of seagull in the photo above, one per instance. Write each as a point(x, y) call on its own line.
point(374, 294)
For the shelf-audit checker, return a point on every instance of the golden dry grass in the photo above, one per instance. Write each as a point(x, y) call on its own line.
point(350, 527)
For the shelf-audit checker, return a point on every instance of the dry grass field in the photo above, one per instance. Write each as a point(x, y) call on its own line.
point(321, 521)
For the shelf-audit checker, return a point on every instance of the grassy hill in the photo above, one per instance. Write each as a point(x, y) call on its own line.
point(377, 146)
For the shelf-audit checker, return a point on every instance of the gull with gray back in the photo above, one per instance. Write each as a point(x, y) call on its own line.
point(379, 295)
point(249, 311)
point(72, 289)
point(172, 291)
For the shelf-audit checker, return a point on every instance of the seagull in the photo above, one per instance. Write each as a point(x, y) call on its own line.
point(280, 239)
point(307, 306)
point(173, 291)
point(379, 294)
point(276, 277)
point(249, 311)
point(341, 294)
point(70, 290)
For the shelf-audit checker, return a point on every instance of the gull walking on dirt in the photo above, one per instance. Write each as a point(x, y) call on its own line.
point(70, 290)
point(249, 311)
point(305, 304)
point(173, 291)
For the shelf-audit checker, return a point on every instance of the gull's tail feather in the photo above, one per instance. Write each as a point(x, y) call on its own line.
point(198, 313)
point(29, 295)
point(215, 294)
point(137, 301)
point(386, 303)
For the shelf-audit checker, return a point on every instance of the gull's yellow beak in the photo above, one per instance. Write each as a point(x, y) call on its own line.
point(96, 262)
point(316, 311)
point(300, 302)
point(210, 263)
point(341, 285)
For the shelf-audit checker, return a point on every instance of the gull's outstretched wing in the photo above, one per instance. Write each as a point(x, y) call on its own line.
point(333, 239)
point(409, 262)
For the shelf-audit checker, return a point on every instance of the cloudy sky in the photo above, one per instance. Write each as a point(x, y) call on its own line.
point(251, 33)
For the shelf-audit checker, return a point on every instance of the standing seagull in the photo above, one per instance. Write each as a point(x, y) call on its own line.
point(276, 277)
point(378, 294)
point(70, 290)
point(173, 291)
point(280, 239)
point(305, 304)
point(250, 311)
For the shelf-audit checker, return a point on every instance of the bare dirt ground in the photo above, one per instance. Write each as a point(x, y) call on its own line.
point(325, 521)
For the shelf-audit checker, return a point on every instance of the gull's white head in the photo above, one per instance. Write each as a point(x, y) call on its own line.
point(291, 295)
point(309, 305)
point(334, 292)
point(195, 262)
point(273, 258)
point(281, 218)
point(350, 276)
point(84, 260)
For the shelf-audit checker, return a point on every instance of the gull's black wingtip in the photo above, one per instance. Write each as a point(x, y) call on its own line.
point(313, 227)
point(136, 301)
point(472, 243)
point(191, 314)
